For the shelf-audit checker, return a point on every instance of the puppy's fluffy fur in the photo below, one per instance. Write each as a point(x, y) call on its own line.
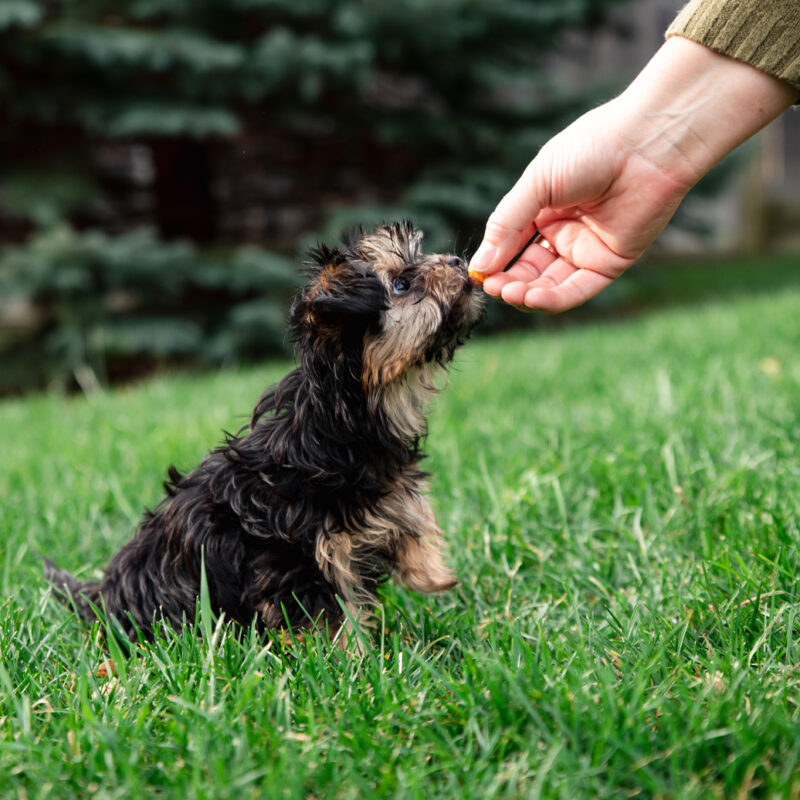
point(306, 511)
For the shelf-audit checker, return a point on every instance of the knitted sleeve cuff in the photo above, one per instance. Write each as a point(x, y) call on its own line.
point(762, 33)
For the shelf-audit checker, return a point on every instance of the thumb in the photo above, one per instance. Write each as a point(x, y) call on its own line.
point(511, 225)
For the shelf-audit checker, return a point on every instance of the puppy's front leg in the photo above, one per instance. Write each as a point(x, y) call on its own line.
point(420, 563)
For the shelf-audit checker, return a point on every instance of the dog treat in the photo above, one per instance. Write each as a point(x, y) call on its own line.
point(305, 511)
point(477, 277)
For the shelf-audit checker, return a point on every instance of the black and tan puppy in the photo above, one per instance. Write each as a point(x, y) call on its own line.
point(321, 498)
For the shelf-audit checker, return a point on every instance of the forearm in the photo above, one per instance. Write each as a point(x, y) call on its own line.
point(691, 106)
point(602, 190)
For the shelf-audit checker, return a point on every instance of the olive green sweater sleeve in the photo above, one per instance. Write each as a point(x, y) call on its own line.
point(762, 33)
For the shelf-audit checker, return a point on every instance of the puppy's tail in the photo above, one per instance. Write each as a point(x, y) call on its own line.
point(82, 594)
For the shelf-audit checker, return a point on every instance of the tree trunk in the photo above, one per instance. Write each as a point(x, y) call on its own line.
point(184, 202)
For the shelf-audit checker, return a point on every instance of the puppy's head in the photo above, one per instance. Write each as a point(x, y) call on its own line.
point(380, 299)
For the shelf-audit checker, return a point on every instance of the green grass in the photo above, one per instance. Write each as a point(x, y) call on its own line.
point(622, 504)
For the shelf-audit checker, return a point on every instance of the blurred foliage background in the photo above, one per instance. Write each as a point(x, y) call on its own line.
point(163, 163)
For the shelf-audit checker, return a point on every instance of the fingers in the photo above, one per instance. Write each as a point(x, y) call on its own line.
point(509, 228)
point(580, 286)
point(531, 264)
point(542, 281)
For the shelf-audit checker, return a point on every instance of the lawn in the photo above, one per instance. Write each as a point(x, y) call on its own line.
point(623, 509)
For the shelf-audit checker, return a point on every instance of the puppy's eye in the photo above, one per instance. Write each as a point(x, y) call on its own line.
point(400, 285)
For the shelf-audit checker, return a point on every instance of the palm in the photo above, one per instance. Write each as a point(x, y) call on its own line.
point(605, 206)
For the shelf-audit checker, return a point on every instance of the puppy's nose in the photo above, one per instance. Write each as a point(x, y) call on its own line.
point(455, 261)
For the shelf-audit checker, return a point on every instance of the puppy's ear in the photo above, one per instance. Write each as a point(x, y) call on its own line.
point(341, 297)
point(349, 293)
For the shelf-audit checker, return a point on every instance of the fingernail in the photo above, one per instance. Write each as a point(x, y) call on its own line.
point(483, 257)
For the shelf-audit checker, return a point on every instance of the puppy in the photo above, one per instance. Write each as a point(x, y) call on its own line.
point(299, 517)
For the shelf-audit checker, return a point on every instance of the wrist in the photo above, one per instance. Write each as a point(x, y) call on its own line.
point(691, 106)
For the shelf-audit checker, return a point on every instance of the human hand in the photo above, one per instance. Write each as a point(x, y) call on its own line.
point(597, 204)
point(603, 189)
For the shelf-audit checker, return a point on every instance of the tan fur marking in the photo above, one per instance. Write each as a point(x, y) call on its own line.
point(271, 615)
point(406, 402)
point(406, 332)
point(420, 565)
point(323, 282)
point(405, 524)
point(335, 556)
point(390, 241)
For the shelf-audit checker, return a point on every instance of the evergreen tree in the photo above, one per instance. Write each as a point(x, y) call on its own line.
point(256, 121)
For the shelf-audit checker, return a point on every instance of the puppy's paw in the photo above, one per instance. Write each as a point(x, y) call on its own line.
point(443, 586)
point(420, 566)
